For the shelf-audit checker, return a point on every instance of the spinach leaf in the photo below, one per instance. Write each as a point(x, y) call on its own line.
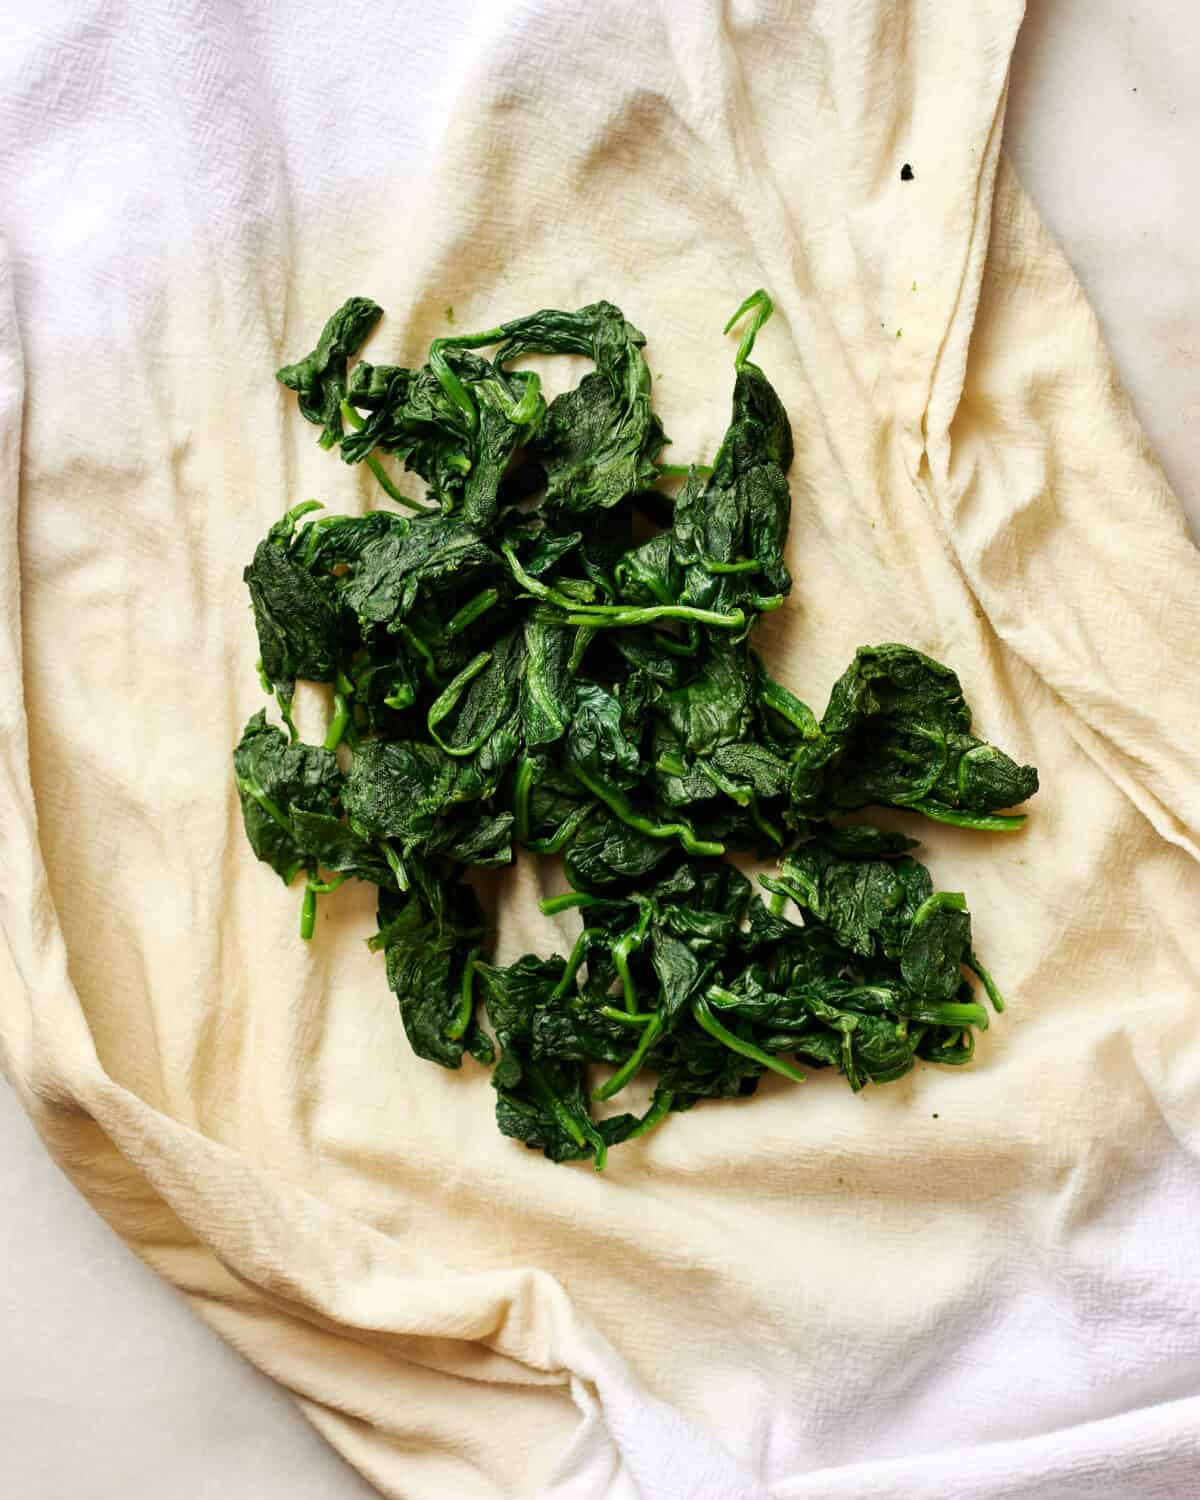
point(549, 1112)
point(319, 379)
point(330, 843)
point(429, 938)
point(936, 947)
point(438, 555)
point(597, 742)
point(276, 780)
point(296, 616)
point(547, 685)
point(456, 422)
point(897, 731)
point(866, 903)
point(729, 534)
point(598, 443)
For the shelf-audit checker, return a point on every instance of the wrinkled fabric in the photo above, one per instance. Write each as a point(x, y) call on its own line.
point(974, 1282)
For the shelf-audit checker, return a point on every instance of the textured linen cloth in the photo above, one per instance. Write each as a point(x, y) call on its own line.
point(970, 1283)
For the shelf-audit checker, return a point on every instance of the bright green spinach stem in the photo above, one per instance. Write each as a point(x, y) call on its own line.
point(986, 822)
point(703, 1014)
point(308, 907)
point(421, 647)
point(380, 473)
point(789, 707)
point(271, 808)
point(395, 864)
point(642, 1018)
point(579, 953)
point(341, 717)
point(308, 913)
point(949, 1013)
point(563, 835)
point(552, 905)
point(625, 810)
point(581, 1131)
point(763, 823)
point(522, 786)
point(471, 611)
point(449, 381)
point(452, 385)
point(939, 901)
point(632, 1063)
point(989, 984)
point(682, 471)
point(285, 711)
point(762, 307)
point(736, 791)
point(660, 1105)
point(446, 700)
point(619, 617)
point(616, 616)
point(621, 950)
point(466, 1001)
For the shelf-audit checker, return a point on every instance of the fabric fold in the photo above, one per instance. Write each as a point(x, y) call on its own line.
point(834, 1294)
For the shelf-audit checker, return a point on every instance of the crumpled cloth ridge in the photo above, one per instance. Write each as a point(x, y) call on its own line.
point(970, 1282)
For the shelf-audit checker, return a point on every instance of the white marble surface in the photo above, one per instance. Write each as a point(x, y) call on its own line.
point(108, 1385)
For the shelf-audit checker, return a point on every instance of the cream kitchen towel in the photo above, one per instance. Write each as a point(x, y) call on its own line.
point(973, 1283)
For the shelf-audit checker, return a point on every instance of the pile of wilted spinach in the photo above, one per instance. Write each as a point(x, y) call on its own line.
point(554, 653)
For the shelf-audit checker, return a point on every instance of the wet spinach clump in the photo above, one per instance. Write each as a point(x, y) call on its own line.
point(551, 652)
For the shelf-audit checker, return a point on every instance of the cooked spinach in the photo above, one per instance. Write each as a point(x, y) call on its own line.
point(553, 654)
